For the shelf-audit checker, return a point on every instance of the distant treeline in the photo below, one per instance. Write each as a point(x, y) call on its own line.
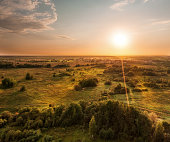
point(8, 65)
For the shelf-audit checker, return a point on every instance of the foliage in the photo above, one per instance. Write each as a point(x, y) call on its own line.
point(90, 82)
point(63, 74)
point(77, 87)
point(28, 76)
point(21, 136)
point(62, 66)
point(120, 90)
point(22, 89)
point(8, 83)
point(92, 127)
point(166, 126)
point(48, 138)
point(158, 134)
point(106, 134)
point(72, 115)
point(108, 83)
point(108, 120)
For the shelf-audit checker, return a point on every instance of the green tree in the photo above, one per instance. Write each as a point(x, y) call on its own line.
point(158, 134)
point(92, 127)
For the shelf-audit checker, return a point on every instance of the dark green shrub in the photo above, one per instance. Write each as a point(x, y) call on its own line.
point(106, 134)
point(8, 83)
point(57, 115)
point(130, 74)
point(166, 126)
point(47, 138)
point(63, 74)
point(24, 109)
point(19, 121)
point(137, 90)
point(108, 83)
point(22, 89)
point(37, 124)
point(91, 82)
point(2, 122)
point(28, 76)
point(6, 115)
point(77, 87)
point(149, 73)
point(120, 90)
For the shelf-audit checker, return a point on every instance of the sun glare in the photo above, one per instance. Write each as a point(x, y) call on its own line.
point(120, 39)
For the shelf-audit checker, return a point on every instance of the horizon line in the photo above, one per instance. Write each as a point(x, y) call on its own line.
point(14, 55)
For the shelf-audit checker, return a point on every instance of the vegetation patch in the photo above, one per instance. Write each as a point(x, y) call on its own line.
point(120, 90)
point(8, 83)
point(108, 120)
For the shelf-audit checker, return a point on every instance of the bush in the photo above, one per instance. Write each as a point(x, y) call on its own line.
point(108, 83)
point(6, 115)
point(77, 87)
point(47, 138)
point(149, 73)
point(2, 122)
point(19, 121)
point(120, 90)
point(91, 82)
point(137, 90)
point(130, 74)
point(63, 74)
point(8, 83)
point(22, 89)
point(106, 134)
point(21, 136)
point(28, 76)
point(166, 126)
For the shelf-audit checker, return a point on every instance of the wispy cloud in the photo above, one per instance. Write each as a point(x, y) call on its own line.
point(160, 22)
point(119, 5)
point(26, 15)
point(65, 37)
point(146, 1)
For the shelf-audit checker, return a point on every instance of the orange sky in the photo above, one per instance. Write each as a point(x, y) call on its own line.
point(46, 27)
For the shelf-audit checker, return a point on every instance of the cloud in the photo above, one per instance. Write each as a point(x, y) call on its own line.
point(161, 22)
point(26, 15)
point(120, 4)
point(146, 1)
point(65, 37)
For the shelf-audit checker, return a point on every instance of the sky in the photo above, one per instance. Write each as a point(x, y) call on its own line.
point(84, 27)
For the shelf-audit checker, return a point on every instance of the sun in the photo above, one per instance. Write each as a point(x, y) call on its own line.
point(120, 39)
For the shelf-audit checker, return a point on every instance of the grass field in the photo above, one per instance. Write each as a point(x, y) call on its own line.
point(45, 89)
